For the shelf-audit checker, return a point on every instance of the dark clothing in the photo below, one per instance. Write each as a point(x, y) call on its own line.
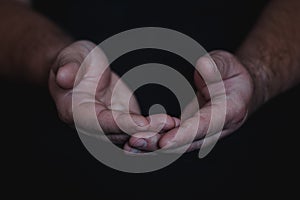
point(215, 24)
point(46, 156)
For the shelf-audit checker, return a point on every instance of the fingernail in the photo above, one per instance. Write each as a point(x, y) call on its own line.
point(177, 121)
point(140, 143)
point(139, 122)
point(132, 150)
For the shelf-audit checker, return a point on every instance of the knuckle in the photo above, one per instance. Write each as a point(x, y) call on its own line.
point(76, 52)
point(223, 59)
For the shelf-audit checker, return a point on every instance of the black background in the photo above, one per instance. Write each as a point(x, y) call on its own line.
point(43, 157)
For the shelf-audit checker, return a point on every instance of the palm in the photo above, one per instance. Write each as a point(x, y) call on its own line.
point(88, 92)
point(238, 88)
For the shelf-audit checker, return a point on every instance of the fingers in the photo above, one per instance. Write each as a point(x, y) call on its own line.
point(200, 144)
point(161, 123)
point(224, 111)
point(75, 53)
point(148, 140)
point(128, 149)
point(81, 58)
point(208, 70)
point(193, 107)
point(118, 138)
point(117, 121)
point(208, 78)
point(188, 131)
point(210, 118)
point(113, 116)
point(217, 66)
point(94, 118)
point(66, 75)
point(111, 122)
point(68, 62)
point(197, 123)
point(62, 99)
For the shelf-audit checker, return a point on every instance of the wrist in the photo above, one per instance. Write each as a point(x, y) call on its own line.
point(260, 77)
point(41, 58)
point(36, 52)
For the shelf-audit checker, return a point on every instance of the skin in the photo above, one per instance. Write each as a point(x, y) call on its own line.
point(37, 51)
point(266, 64)
point(239, 92)
point(61, 85)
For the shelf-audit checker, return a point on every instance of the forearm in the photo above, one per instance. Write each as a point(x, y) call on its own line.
point(271, 52)
point(29, 43)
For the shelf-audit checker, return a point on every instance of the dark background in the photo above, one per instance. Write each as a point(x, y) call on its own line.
point(43, 157)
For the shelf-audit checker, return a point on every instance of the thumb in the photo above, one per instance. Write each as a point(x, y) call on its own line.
point(66, 75)
point(68, 62)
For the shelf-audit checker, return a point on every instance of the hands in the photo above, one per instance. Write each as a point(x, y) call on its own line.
point(238, 84)
point(270, 53)
point(63, 83)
